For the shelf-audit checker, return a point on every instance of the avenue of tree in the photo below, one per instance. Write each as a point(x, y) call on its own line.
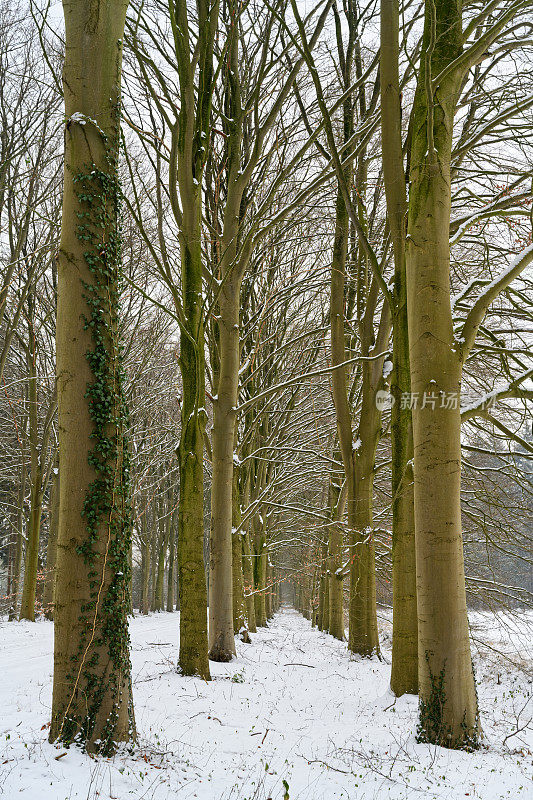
point(265, 331)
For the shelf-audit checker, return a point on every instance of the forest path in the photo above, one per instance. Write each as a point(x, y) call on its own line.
point(293, 706)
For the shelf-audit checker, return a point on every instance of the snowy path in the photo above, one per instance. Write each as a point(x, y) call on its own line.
point(292, 707)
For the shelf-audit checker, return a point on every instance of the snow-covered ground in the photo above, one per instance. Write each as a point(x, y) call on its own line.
point(292, 717)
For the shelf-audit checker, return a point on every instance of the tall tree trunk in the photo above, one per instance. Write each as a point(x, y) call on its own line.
point(153, 561)
point(145, 587)
point(10, 557)
point(325, 610)
point(322, 619)
point(448, 704)
point(358, 465)
point(92, 699)
point(221, 635)
point(193, 659)
point(260, 557)
point(221, 638)
point(404, 670)
point(340, 396)
point(131, 610)
point(160, 574)
point(162, 542)
point(268, 597)
point(335, 577)
point(335, 565)
point(171, 553)
point(307, 594)
point(51, 548)
point(31, 563)
point(363, 628)
point(248, 580)
point(187, 162)
point(17, 561)
point(239, 604)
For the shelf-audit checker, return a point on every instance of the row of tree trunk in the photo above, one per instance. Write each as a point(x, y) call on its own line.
point(431, 647)
point(92, 683)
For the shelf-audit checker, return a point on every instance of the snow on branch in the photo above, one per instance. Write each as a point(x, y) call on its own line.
point(499, 206)
point(512, 388)
point(489, 293)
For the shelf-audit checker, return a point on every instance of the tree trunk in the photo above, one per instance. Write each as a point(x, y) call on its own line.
point(232, 267)
point(160, 574)
point(363, 628)
point(322, 619)
point(92, 699)
point(51, 549)
point(358, 464)
point(260, 558)
point(153, 560)
point(268, 597)
point(186, 167)
point(162, 541)
point(404, 670)
point(221, 637)
point(248, 579)
point(31, 562)
point(145, 588)
point(193, 658)
point(239, 604)
point(131, 611)
point(448, 704)
point(335, 565)
point(171, 552)
point(17, 562)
